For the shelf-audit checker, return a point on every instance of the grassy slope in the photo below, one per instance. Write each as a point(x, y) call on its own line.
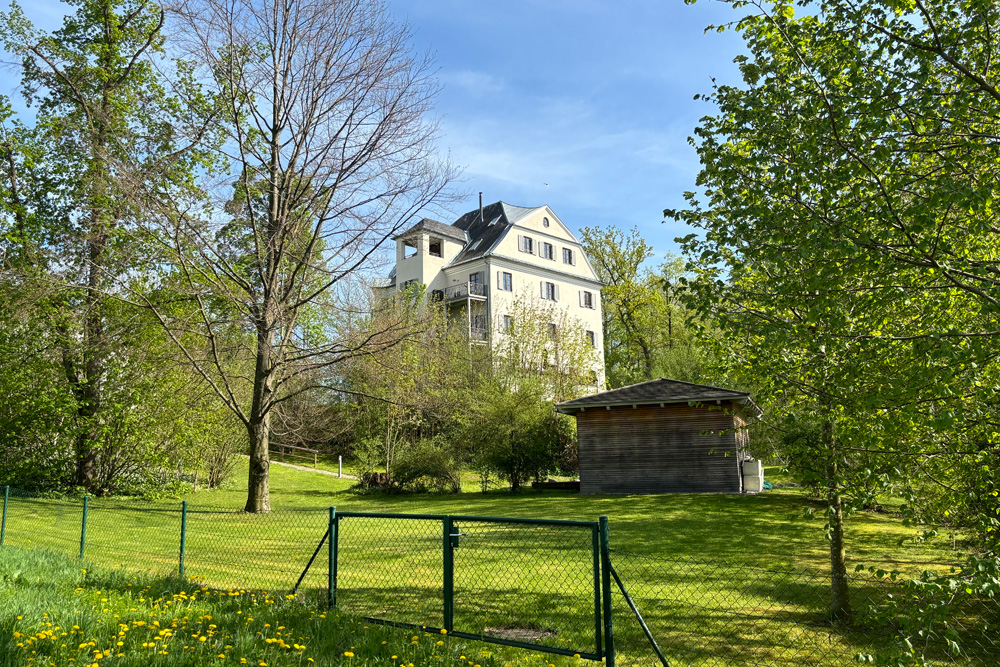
point(767, 530)
point(527, 578)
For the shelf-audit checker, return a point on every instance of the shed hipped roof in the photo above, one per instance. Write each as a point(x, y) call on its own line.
point(657, 391)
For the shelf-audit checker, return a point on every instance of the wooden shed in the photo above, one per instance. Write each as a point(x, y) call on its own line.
point(662, 436)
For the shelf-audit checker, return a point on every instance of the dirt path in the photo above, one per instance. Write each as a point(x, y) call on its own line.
point(308, 469)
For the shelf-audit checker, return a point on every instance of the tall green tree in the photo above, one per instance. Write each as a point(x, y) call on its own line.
point(646, 329)
point(847, 241)
point(103, 138)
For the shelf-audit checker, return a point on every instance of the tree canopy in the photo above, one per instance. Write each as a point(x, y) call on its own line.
point(845, 247)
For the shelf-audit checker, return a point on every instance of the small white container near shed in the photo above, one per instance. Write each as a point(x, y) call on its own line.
point(753, 477)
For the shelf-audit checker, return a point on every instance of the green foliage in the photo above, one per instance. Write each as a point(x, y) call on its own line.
point(647, 328)
point(439, 400)
point(428, 465)
point(846, 249)
point(100, 153)
point(517, 434)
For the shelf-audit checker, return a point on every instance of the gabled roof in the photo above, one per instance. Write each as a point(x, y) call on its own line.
point(435, 227)
point(656, 391)
point(484, 232)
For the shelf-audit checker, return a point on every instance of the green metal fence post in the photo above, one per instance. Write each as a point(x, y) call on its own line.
point(335, 538)
point(609, 634)
point(83, 526)
point(3, 522)
point(184, 520)
point(449, 576)
point(596, 548)
point(331, 572)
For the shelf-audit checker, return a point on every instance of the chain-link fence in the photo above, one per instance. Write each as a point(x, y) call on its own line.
point(545, 585)
point(221, 547)
point(520, 582)
point(706, 614)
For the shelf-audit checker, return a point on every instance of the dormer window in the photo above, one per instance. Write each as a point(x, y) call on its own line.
point(434, 248)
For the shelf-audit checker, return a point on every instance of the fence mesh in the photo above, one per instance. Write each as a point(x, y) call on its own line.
point(515, 581)
point(526, 582)
point(710, 615)
point(391, 569)
point(223, 548)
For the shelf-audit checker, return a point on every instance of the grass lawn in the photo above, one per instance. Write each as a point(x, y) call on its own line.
point(56, 611)
point(766, 530)
point(713, 572)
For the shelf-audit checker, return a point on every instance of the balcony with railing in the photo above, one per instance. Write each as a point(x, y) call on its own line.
point(479, 334)
point(468, 290)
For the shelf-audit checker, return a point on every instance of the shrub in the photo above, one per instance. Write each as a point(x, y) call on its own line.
point(428, 465)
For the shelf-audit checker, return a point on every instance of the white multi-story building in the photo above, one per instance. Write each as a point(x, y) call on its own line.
point(496, 256)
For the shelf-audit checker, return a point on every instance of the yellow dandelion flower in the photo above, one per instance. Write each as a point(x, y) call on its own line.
point(443, 631)
point(348, 654)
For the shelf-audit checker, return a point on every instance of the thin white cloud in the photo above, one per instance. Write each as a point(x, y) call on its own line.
point(476, 84)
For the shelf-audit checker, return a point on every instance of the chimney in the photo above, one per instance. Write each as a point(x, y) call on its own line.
point(481, 219)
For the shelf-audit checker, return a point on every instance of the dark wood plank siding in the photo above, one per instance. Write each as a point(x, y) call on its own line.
point(648, 449)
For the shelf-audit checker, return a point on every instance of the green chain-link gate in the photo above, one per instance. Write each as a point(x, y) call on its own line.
point(537, 584)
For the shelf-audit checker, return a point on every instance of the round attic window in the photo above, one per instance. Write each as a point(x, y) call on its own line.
point(545, 222)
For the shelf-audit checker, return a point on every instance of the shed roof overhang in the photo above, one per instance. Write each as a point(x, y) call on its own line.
point(745, 403)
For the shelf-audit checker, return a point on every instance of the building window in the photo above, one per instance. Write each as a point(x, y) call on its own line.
point(527, 244)
point(550, 292)
point(507, 282)
point(408, 283)
point(434, 248)
point(548, 252)
point(568, 256)
point(552, 331)
point(475, 278)
point(590, 338)
point(545, 222)
point(586, 299)
point(508, 322)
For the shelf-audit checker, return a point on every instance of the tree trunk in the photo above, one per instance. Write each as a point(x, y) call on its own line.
point(840, 607)
point(647, 359)
point(89, 399)
point(258, 489)
point(841, 603)
point(259, 422)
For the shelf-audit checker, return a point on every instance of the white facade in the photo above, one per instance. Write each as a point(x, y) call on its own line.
point(493, 257)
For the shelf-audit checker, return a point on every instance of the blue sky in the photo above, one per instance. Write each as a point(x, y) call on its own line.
point(592, 98)
point(585, 105)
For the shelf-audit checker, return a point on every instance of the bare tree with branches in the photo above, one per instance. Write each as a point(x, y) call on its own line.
point(329, 150)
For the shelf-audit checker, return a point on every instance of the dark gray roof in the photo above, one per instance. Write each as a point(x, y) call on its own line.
point(660, 390)
point(435, 227)
point(485, 231)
